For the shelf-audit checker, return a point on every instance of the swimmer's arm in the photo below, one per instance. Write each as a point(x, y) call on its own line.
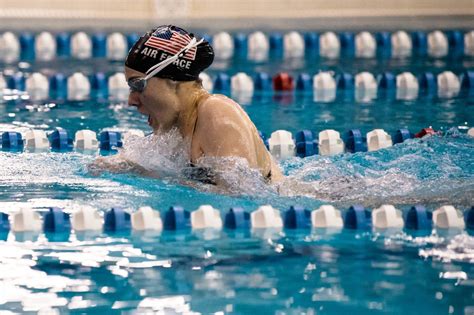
point(117, 164)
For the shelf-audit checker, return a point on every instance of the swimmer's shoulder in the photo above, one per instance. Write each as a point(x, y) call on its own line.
point(218, 106)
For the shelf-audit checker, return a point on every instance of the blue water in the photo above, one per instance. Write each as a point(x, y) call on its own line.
point(272, 272)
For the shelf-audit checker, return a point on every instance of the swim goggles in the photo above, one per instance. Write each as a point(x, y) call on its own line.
point(138, 84)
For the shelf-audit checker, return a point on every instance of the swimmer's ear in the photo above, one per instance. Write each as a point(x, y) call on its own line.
point(172, 84)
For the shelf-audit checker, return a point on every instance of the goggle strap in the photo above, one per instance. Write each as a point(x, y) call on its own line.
point(161, 65)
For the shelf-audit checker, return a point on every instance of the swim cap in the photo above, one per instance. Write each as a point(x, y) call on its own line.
point(164, 42)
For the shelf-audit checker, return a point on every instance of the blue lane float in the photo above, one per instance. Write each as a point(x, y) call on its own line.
point(304, 82)
point(60, 140)
point(99, 45)
point(276, 42)
point(420, 43)
point(311, 41)
point(110, 140)
point(17, 82)
point(402, 135)
point(455, 41)
point(237, 218)
point(240, 45)
point(117, 220)
point(177, 218)
point(262, 82)
point(428, 83)
point(469, 218)
point(467, 81)
point(347, 40)
point(355, 141)
point(99, 84)
point(56, 221)
point(297, 218)
point(131, 39)
point(63, 45)
point(357, 218)
point(384, 45)
point(387, 81)
point(27, 44)
point(4, 223)
point(58, 86)
point(222, 83)
point(12, 141)
point(418, 218)
point(305, 144)
point(345, 81)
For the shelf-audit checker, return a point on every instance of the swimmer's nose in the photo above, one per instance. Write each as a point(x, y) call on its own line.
point(133, 99)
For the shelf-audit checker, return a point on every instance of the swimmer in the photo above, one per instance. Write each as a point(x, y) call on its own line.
point(162, 70)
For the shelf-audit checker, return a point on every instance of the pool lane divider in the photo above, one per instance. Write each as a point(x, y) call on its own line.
point(281, 143)
point(322, 86)
point(176, 218)
point(256, 46)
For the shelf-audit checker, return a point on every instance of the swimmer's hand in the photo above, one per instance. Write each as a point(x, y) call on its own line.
point(115, 164)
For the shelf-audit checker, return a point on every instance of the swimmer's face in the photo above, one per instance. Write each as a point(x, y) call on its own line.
point(158, 100)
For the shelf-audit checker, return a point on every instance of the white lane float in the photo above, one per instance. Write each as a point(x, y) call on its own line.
point(365, 45)
point(86, 219)
point(206, 217)
point(266, 217)
point(437, 44)
point(324, 87)
point(326, 216)
point(37, 86)
point(329, 45)
point(449, 84)
point(365, 87)
point(9, 48)
point(242, 88)
point(206, 82)
point(45, 46)
point(407, 86)
point(117, 46)
point(469, 43)
point(330, 142)
point(281, 144)
point(241, 82)
point(258, 47)
point(447, 217)
point(81, 46)
point(378, 139)
point(293, 45)
point(26, 220)
point(401, 44)
point(387, 216)
point(118, 87)
point(223, 45)
point(78, 87)
point(146, 218)
point(36, 140)
point(86, 140)
point(3, 83)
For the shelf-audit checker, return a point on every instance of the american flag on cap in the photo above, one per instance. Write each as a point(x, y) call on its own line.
point(172, 42)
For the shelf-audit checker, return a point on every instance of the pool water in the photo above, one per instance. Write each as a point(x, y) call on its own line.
point(282, 272)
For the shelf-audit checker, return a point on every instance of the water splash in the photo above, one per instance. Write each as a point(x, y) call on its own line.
point(433, 170)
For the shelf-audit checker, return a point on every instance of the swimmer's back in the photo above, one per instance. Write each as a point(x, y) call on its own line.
point(233, 134)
